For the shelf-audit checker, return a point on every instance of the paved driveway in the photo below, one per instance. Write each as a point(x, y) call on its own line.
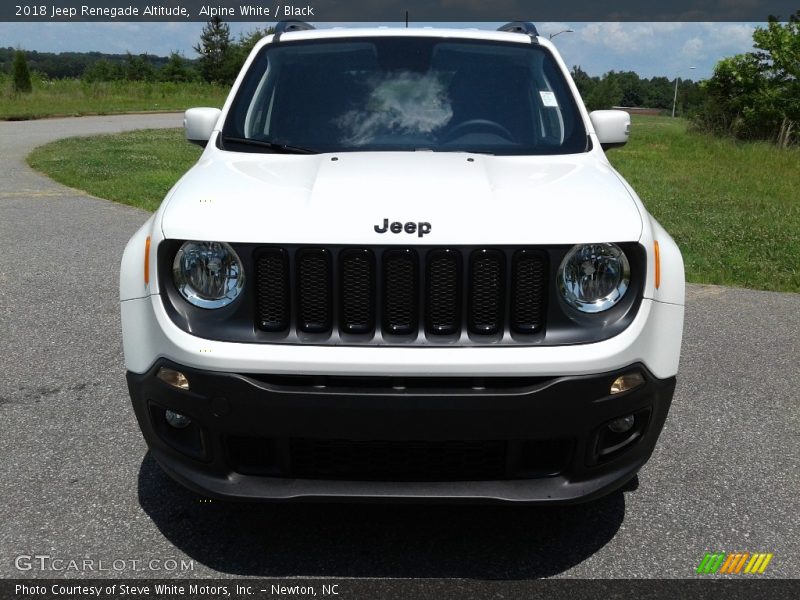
point(76, 480)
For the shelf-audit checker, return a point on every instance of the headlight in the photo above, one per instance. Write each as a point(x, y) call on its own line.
point(594, 277)
point(208, 274)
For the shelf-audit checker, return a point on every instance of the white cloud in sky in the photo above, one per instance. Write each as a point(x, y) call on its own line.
point(730, 33)
point(654, 49)
point(693, 48)
point(627, 37)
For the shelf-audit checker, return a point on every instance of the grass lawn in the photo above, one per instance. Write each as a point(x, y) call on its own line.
point(734, 209)
point(72, 97)
point(136, 168)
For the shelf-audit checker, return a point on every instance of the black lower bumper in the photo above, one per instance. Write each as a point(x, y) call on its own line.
point(487, 439)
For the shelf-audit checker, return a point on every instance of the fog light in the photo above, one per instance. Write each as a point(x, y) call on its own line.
point(626, 382)
point(622, 424)
point(177, 420)
point(173, 378)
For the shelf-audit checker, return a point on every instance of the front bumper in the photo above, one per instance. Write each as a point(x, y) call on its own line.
point(515, 439)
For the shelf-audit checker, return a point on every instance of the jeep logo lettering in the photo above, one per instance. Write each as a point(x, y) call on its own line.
point(420, 228)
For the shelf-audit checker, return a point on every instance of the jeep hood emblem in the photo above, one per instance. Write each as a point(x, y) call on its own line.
point(421, 228)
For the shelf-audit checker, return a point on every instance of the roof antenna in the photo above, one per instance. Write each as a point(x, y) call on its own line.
point(406, 19)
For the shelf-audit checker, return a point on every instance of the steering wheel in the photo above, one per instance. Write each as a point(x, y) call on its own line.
point(462, 128)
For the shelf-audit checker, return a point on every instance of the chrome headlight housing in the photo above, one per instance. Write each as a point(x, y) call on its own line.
point(208, 274)
point(593, 278)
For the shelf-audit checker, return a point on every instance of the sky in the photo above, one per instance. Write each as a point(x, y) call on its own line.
point(649, 49)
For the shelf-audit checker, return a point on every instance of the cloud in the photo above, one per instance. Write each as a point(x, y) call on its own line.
point(623, 38)
point(394, 105)
point(654, 49)
point(738, 35)
point(693, 48)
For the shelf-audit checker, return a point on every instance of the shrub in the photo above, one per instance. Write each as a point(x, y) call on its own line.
point(21, 74)
point(757, 95)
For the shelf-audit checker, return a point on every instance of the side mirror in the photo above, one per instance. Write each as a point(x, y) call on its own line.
point(612, 127)
point(198, 123)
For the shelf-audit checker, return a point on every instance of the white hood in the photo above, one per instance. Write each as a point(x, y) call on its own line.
point(339, 199)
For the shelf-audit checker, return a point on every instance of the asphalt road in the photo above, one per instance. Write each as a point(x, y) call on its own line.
point(76, 481)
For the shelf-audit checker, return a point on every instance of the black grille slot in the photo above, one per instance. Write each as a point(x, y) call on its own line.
point(357, 291)
point(487, 277)
point(400, 295)
point(314, 295)
point(528, 281)
point(272, 283)
point(443, 281)
point(398, 460)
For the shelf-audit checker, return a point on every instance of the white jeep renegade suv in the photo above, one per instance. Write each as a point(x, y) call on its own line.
point(402, 268)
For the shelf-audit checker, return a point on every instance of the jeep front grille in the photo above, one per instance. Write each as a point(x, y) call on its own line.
point(400, 295)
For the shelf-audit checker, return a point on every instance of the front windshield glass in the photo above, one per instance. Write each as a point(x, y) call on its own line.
point(406, 94)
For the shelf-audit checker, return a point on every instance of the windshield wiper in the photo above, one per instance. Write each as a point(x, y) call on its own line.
point(273, 146)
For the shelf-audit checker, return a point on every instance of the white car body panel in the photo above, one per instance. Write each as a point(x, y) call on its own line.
point(313, 199)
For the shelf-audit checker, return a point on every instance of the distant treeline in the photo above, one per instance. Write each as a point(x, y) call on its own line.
point(70, 64)
point(98, 66)
point(618, 88)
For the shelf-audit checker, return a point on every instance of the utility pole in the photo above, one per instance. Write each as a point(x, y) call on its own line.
point(675, 97)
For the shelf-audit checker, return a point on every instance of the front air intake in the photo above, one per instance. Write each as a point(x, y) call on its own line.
point(397, 295)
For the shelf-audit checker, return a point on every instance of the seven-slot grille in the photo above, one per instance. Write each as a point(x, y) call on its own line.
point(384, 294)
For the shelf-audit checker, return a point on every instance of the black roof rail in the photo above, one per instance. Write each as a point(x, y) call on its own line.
point(291, 25)
point(525, 27)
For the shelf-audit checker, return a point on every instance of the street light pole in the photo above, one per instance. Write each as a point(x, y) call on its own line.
point(552, 35)
point(675, 96)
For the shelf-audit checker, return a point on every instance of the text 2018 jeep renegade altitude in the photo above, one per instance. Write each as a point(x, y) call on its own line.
point(402, 268)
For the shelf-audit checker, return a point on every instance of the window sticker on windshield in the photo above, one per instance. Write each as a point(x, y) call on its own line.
point(549, 99)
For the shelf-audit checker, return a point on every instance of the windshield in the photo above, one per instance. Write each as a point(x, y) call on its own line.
point(407, 94)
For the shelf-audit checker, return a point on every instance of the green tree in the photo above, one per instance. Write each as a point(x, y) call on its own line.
point(21, 77)
point(221, 58)
point(245, 44)
point(103, 70)
point(584, 83)
point(690, 96)
point(658, 93)
point(217, 55)
point(605, 94)
point(757, 95)
point(629, 86)
point(139, 68)
point(177, 70)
